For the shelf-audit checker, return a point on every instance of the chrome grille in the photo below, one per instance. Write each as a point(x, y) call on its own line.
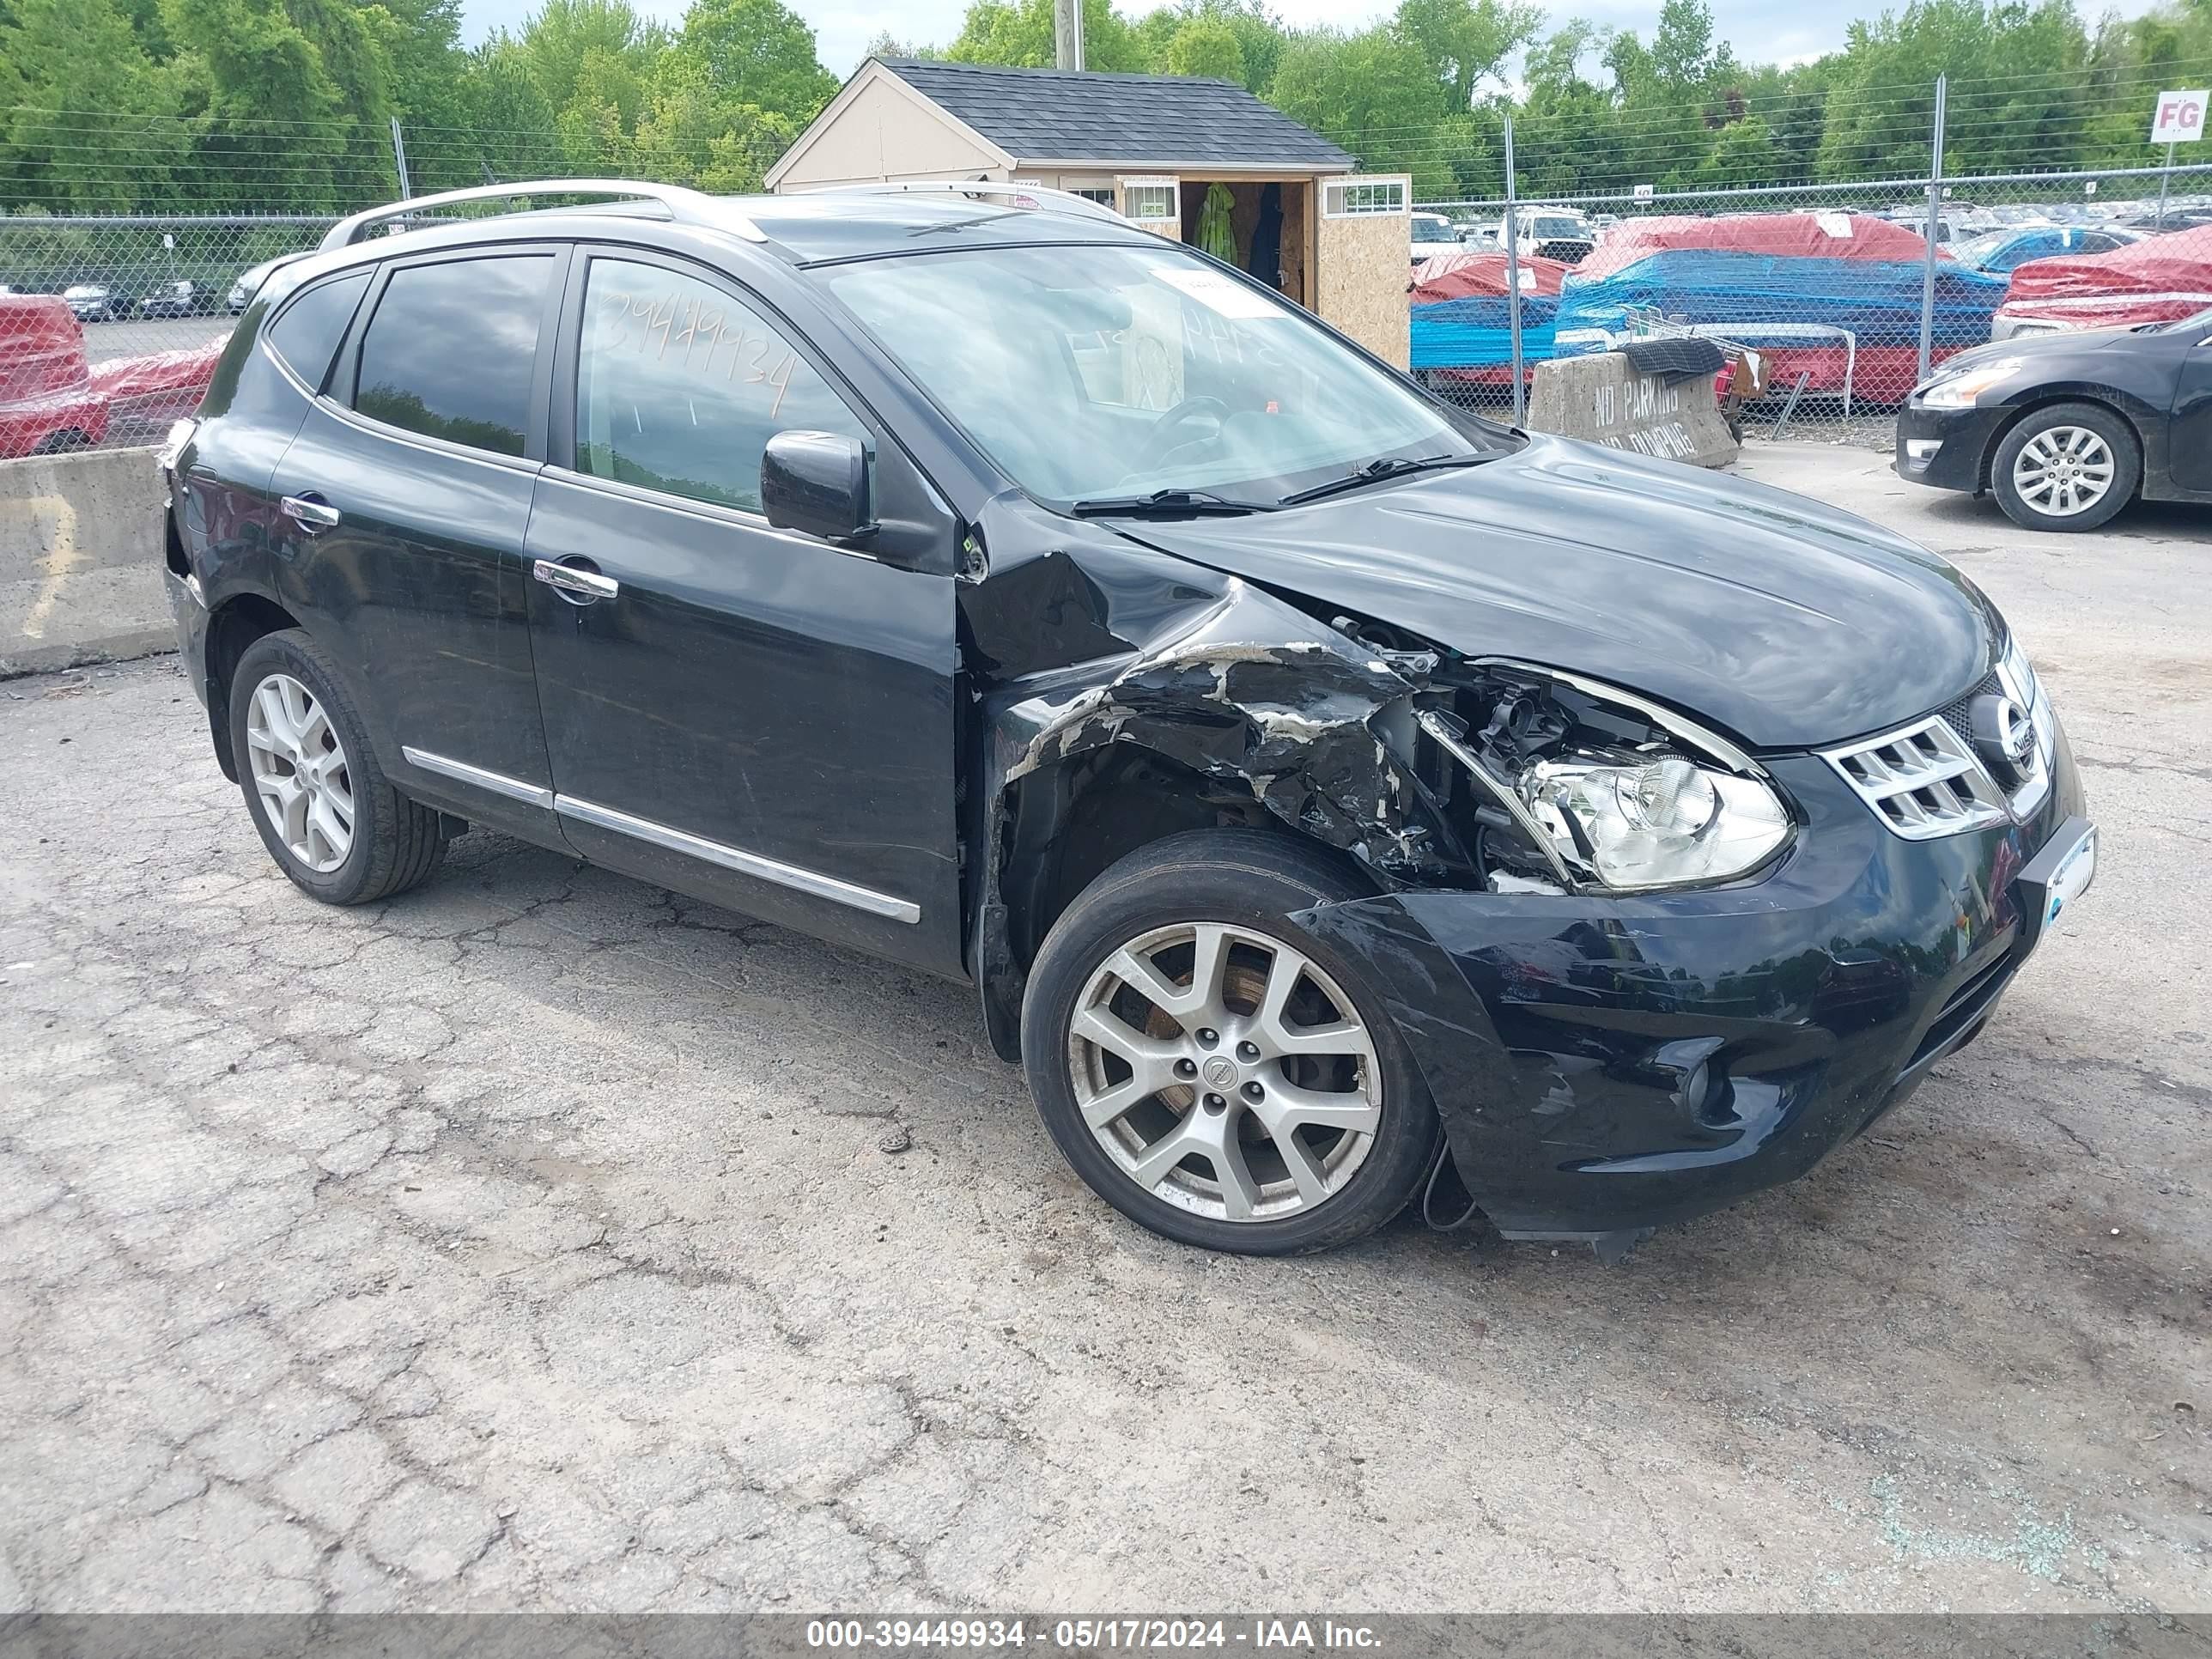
point(1922, 781)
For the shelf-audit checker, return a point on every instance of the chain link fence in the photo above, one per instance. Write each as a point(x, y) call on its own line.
point(110, 322)
point(1838, 289)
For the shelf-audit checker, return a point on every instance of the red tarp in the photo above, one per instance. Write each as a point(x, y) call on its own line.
point(2161, 279)
point(1793, 236)
point(46, 397)
point(1482, 276)
point(146, 393)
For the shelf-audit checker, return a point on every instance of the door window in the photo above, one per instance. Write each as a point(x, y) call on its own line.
point(452, 349)
point(679, 386)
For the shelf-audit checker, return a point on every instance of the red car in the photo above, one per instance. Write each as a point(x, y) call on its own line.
point(47, 400)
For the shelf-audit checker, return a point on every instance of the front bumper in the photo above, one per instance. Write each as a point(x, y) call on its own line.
point(1945, 447)
point(1606, 1066)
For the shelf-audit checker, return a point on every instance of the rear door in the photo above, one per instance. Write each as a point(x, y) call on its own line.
point(405, 498)
point(747, 714)
point(1364, 244)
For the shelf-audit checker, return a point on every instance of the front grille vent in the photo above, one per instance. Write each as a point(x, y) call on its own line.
point(1922, 781)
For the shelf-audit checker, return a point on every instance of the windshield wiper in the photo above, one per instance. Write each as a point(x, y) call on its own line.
point(1165, 504)
point(1387, 466)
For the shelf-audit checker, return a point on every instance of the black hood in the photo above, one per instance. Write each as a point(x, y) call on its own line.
point(2046, 343)
point(1782, 621)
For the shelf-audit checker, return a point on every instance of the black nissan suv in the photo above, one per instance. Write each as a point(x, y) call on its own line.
point(1331, 796)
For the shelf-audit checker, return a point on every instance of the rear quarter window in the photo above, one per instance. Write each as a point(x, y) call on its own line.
point(307, 333)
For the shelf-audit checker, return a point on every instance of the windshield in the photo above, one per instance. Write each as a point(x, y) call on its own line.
point(1431, 227)
point(1977, 249)
point(1552, 227)
point(1086, 373)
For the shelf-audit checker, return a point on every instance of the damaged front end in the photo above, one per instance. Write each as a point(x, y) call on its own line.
point(1642, 970)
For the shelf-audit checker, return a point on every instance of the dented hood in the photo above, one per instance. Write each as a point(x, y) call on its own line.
point(1785, 621)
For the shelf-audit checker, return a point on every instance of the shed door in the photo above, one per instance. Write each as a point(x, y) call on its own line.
point(1363, 257)
point(1154, 201)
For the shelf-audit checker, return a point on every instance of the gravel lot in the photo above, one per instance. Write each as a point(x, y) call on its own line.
point(537, 1241)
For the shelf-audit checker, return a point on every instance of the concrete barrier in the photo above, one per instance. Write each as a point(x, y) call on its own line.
point(1603, 399)
point(81, 561)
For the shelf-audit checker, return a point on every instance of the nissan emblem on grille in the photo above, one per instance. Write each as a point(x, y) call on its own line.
point(2004, 736)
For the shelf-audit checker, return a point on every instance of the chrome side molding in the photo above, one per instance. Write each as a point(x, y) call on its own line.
point(810, 881)
point(730, 857)
point(498, 783)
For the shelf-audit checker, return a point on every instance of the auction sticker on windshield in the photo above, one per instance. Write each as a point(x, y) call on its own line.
point(1216, 291)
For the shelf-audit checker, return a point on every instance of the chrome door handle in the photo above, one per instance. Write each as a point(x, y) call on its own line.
point(583, 584)
point(310, 512)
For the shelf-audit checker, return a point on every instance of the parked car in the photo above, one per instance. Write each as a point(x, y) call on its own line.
point(1316, 782)
point(250, 279)
point(1433, 234)
point(181, 298)
point(2065, 429)
point(92, 302)
point(1552, 233)
point(1999, 252)
point(48, 401)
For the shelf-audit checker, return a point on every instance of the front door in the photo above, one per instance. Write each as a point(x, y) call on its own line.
point(2191, 441)
point(413, 481)
point(747, 714)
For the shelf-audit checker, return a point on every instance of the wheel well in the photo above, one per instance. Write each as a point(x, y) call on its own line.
point(1997, 438)
point(1072, 822)
point(235, 625)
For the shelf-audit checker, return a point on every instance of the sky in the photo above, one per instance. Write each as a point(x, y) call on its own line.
point(1762, 31)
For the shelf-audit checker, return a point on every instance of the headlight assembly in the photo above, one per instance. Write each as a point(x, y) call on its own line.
point(1960, 391)
point(1611, 792)
point(1639, 822)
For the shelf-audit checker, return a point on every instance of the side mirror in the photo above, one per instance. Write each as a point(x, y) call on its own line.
point(817, 482)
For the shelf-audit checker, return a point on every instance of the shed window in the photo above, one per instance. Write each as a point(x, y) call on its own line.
point(1150, 199)
point(1350, 198)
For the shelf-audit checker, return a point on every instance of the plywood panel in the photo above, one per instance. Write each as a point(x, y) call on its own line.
point(1364, 262)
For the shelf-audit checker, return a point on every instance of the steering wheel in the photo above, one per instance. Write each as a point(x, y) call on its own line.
point(1162, 438)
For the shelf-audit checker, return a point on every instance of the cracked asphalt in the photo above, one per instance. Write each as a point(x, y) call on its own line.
point(534, 1241)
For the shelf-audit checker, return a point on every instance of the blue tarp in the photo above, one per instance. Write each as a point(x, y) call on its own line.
point(1878, 299)
point(1476, 332)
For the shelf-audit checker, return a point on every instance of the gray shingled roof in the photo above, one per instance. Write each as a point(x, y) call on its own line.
point(1061, 115)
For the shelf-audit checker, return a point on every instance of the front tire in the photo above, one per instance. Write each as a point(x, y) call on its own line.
point(1210, 1070)
point(2070, 466)
point(312, 786)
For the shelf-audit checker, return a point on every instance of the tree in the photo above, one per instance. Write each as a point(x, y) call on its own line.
point(1206, 46)
point(1018, 33)
point(758, 52)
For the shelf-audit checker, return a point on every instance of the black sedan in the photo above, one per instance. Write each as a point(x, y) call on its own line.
point(2066, 430)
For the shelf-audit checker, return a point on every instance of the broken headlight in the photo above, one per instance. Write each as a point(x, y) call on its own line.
point(1647, 820)
point(1589, 786)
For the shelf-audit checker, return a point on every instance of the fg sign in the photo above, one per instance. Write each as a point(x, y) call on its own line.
point(2179, 118)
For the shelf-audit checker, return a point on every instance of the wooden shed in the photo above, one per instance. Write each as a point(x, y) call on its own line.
point(1334, 239)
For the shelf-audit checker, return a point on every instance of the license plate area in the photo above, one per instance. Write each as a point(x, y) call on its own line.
point(2057, 876)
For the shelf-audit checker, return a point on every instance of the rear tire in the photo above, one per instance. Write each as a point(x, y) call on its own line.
point(324, 808)
point(2068, 467)
point(1321, 1126)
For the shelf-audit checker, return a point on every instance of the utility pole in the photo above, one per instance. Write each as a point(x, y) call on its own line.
point(1935, 208)
point(1513, 282)
point(1068, 34)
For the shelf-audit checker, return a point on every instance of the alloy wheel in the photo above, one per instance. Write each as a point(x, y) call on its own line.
point(299, 772)
point(2064, 471)
point(1224, 1073)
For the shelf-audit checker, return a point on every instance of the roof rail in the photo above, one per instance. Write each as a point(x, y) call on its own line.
point(1041, 196)
point(687, 206)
